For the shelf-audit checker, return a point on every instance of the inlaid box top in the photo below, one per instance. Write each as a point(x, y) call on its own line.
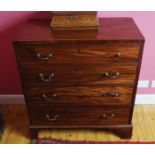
point(110, 29)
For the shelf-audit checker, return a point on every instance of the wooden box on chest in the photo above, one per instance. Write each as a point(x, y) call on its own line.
point(74, 19)
point(73, 79)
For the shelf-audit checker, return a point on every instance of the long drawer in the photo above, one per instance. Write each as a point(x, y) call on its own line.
point(79, 53)
point(79, 116)
point(78, 74)
point(103, 95)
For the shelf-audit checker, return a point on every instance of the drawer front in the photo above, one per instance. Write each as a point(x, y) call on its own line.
point(79, 116)
point(79, 95)
point(80, 53)
point(78, 75)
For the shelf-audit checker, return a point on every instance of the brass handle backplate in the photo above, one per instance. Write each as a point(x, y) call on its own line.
point(111, 74)
point(108, 116)
point(46, 78)
point(48, 97)
point(44, 57)
point(52, 118)
point(110, 94)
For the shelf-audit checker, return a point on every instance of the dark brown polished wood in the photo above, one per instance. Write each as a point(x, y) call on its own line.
point(110, 29)
point(79, 95)
point(79, 74)
point(79, 116)
point(80, 53)
point(80, 78)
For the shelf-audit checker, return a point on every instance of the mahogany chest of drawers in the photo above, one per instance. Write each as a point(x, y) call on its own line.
point(80, 78)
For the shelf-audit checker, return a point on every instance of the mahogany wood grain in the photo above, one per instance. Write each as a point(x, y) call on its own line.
point(78, 74)
point(79, 95)
point(67, 116)
point(110, 29)
point(80, 53)
point(83, 64)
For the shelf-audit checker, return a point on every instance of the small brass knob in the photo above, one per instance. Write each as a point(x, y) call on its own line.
point(118, 55)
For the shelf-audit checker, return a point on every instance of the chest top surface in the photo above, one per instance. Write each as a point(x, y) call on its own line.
point(115, 29)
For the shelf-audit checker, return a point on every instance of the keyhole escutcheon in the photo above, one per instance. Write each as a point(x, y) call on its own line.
point(78, 51)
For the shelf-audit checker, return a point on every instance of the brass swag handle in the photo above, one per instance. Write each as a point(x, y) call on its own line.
point(111, 74)
point(48, 97)
point(44, 57)
point(108, 116)
point(53, 118)
point(47, 78)
point(110, 94)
